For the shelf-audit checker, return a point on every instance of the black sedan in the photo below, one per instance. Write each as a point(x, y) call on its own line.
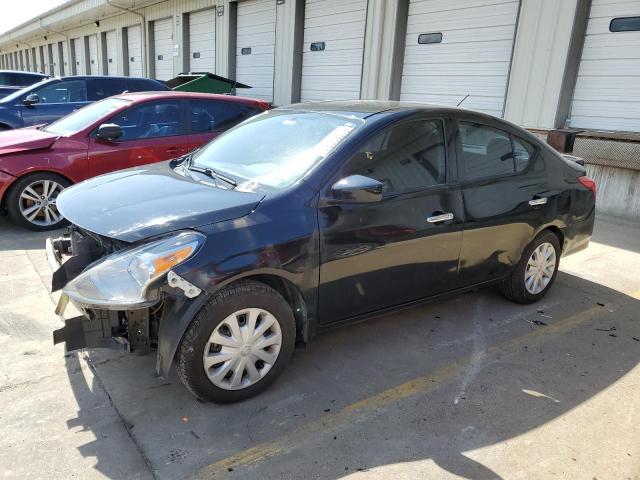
point(306, 217)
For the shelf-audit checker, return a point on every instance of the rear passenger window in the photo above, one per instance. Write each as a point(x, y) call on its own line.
point(208, 115)
point(522, 153)
point(405, 157)
point(103, 88)
point(487, 151)
point(142, 85)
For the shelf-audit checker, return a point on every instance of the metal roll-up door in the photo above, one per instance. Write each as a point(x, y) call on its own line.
point(163, 48)
point(202, 41)
point(333, 48)
point(57, 64)
point(78, 57)
point(112, 52)
point(607, 91)
point(63, 58)
point(255, 47)
point(454, 49)
point(93, 54)
point(134, 50)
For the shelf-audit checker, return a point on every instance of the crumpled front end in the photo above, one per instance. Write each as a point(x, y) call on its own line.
point(119, 288)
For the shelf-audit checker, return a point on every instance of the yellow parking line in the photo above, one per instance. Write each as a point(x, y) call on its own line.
point(357, 411)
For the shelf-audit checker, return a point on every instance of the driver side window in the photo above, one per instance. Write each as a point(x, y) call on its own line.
point(63, 92)
point(150, 120)
point(405, 157)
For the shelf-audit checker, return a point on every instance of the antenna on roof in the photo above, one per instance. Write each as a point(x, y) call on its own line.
point(460, 102)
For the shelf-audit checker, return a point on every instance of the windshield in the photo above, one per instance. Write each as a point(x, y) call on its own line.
point(275, 149)
point(19, 93)
point(81, 119)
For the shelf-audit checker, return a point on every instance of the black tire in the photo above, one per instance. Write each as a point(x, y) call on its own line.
point(189, 357)
point(514, 288)
point(13, 200)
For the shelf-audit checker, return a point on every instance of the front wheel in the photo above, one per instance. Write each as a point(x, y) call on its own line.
point(32, 202)
point(536, 270)
point(237, 344)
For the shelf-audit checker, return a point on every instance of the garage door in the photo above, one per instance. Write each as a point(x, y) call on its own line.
point(63, 58)
point(78, 57)
point(202, 41)
point(609, 72)
point(56, 59)
point(93, 55)
point(163, 48)
point(112, 52)
point(255, 44)
point(333, 48)
point(134, 50)
point(454, 49)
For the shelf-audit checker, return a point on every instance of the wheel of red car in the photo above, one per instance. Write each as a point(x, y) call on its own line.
point(237, 344)
point(32, 201)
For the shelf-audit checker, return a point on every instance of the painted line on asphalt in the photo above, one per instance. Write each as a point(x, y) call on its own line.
point(358, 411)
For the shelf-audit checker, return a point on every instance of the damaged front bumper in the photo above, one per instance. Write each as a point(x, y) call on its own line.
point(135, 328)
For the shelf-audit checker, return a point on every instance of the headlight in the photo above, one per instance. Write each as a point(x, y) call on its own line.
point(121, 280)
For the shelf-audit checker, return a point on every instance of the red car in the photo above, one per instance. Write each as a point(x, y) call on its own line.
point(123, 131)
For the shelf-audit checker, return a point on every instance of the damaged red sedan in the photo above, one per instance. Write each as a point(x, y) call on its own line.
point(123, 131)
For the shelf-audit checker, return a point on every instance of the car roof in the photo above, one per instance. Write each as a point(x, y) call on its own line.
point(143, 96)
point(34, 74)
point(367, 108)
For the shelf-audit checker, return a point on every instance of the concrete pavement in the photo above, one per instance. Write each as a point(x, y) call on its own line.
point(470, 387)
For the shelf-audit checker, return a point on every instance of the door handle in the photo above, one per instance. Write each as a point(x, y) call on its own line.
point(443, 217)
point(538, 201)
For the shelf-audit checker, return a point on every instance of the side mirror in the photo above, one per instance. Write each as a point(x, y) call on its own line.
point(31, 99)
point(357, 189)
point(109, 132)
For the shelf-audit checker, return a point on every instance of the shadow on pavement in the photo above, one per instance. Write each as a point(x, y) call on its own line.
point(500, 370)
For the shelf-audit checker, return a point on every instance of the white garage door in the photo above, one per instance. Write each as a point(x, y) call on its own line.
point(473, 57)
point(134, 50)
point(255, 47)
point(333, 48)
point(93, 55)
point(55, 50)
point(202, 41)
point(78, 57)
point(48, 59)
point(112, 52)
point(163, 48)
point(607, 92)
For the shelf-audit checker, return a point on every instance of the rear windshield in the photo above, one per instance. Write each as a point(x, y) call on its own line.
point(81, 119)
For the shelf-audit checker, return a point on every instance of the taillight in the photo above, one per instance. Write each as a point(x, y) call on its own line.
point(588, 183)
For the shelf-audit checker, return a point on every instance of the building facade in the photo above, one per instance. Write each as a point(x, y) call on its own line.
point(543, 64)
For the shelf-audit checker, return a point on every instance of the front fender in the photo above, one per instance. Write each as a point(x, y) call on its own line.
point(176, 316)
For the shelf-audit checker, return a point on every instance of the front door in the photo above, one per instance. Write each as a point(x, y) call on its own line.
point(152, 132)
point(55, 100)
point(405, 247)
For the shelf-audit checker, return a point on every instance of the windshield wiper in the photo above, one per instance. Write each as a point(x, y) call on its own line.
point(210, 172)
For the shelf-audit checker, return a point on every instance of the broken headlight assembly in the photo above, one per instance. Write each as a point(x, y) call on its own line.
point(123, 280)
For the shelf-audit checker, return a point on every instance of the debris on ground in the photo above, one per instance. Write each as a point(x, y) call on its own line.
point(612, 329)
point(537, 322)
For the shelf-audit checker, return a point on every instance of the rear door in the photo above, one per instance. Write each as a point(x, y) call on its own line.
point(153, 131)
point(383, 254)
point(56, 100)
point(507, 197)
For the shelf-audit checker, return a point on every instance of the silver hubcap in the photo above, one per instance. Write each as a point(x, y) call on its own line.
point(242, 349)
point(540, 268)
point(38, 202)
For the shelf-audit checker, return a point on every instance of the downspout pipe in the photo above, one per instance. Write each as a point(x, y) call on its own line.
point(145, 57)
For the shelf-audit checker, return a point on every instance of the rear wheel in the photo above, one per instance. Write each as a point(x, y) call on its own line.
point(237, 344)
point(32, 202)
point(536, 271)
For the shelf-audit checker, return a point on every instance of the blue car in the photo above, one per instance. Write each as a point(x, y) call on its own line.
point(13, 80)
point(54, 98)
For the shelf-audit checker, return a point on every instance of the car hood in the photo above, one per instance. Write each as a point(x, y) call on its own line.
point(24, 139)
point(131, 205)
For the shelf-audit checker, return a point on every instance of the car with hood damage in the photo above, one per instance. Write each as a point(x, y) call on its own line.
point(304, 218)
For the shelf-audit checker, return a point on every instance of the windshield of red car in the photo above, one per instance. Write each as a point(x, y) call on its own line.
point(81, 119)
